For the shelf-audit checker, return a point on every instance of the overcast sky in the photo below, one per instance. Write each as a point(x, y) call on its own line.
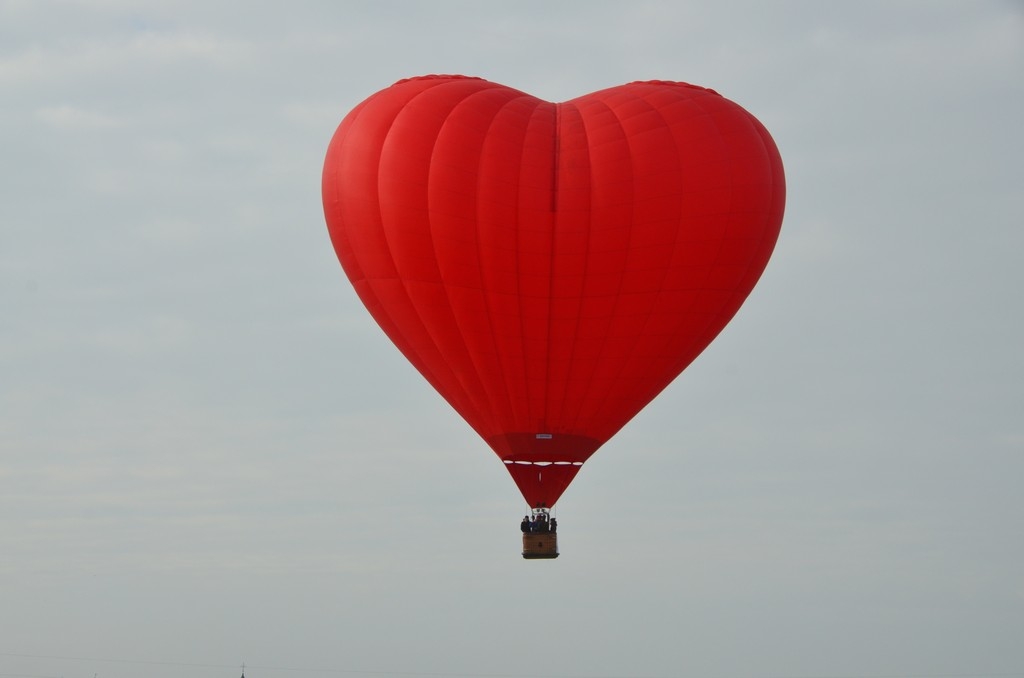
point(210, 454)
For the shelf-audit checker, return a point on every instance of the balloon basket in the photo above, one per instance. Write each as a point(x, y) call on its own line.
point(540, 545)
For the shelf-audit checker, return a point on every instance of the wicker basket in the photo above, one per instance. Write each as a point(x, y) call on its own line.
point(540, 545)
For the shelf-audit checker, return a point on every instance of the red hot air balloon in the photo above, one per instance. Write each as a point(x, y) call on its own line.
point(548, 267)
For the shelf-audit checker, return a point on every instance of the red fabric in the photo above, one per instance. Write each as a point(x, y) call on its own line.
point(550, 268)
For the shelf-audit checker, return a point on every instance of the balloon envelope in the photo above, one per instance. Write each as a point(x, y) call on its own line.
point(550, 267)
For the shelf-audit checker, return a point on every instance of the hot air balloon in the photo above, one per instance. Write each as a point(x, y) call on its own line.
point(549, 268)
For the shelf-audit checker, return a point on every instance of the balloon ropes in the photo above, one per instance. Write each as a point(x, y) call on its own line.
point(549, 268)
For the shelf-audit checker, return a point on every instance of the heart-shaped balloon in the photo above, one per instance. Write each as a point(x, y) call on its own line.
point(551, 267)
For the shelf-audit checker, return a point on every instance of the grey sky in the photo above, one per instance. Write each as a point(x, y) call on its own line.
point(209, 454)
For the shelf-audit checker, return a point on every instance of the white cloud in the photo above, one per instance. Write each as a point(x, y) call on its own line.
point(102, 57)
point(70, 117)
point(161, 47)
